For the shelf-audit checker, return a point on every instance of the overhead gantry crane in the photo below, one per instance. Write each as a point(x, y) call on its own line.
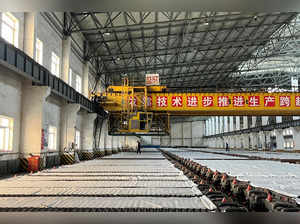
point(146, 110)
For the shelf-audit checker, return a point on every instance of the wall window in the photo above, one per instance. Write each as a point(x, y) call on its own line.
point(70, 77)
point(55, 64)
point(78, 84)
point(10, 28)
point(6, 133)
point(52, 135)
point(77, 139)
point(39, 51)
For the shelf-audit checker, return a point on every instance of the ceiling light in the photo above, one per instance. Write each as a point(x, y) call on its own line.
point(206, 24)
point(107, 33)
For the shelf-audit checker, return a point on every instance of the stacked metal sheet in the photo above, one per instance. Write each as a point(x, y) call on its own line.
point(124, 180)
point(281, 177)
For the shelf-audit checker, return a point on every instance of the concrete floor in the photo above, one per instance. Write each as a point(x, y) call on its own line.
point(124, 180)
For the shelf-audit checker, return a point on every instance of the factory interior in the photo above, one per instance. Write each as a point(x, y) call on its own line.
point(149, 112)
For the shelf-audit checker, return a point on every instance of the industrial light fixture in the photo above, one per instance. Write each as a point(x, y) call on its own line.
point(206, 24)
point(106, 33)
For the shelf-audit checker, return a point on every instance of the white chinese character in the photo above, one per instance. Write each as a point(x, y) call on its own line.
point(223, 101)
point(207, 101)
point(132, 101)
point(285, 101)
point(269, 100)
point(161, 101)
point(238, 101)
point(192, 101)
point(177, 101)
point(297, 101)
point(253, 101)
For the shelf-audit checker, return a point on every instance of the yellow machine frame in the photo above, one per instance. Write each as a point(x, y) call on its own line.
point(129, 103)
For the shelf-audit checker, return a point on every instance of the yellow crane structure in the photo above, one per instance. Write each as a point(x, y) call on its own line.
point(146, 110)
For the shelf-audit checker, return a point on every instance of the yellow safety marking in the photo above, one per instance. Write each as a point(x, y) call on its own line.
point(24, 164)
point(67, 159)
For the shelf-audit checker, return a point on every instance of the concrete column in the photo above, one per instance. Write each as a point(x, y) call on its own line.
point(234, 141)
point(217, 125)
point(119, 141)
point(245, 122)
point(214, 145)
point(238, 142)
point(33, 99)
point(66, 52)
point(88, 131)
point(237, 123)
point(241, 141)
point(234, 123)
point(68, 123)
point(124, 141)
point(279, 139)
point(231, 123)
point(262, 140)
point(115, 142)
point(111, 141)
point(29, 33)
point(254, 143)
point(245, 141)
point(226, 124)
point(108, 142)
point(253, 121)
point(85, 80)
point(221, 122)
point(218, 143)
point(103, 135)
point(267, 140)
point(296, 137)
point(210, 126)
point(221, 142)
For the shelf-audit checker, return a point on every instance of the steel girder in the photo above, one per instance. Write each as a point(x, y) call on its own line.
point(187, 49)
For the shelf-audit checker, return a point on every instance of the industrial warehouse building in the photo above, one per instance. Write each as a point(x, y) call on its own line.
point(218, 123)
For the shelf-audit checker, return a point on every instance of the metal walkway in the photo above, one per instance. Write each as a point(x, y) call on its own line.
point(121, 182)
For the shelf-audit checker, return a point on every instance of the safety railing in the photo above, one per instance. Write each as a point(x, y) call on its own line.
point(270, 127)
